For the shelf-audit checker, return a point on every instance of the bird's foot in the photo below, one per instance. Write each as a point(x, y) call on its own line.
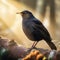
point(30, 49)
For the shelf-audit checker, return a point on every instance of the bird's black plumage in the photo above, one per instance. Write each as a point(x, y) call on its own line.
point(34, 29)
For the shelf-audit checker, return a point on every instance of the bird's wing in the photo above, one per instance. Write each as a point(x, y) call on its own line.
point(38, 26)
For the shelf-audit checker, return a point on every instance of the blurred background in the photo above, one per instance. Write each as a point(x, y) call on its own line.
point(47, 11)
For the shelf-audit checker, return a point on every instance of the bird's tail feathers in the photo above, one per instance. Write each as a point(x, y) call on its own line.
point(52, 45)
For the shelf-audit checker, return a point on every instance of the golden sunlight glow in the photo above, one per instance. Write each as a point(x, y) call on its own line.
point(17, 22)
point(7, 12)
point(10, 20)
point(4, 1)
point(3, 11)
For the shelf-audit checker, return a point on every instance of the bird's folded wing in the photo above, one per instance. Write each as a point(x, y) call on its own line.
point(39, 27)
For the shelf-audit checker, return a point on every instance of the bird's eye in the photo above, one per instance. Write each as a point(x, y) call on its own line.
point(24, 12)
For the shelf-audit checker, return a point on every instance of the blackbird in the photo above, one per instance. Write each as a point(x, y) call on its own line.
point(35, 30)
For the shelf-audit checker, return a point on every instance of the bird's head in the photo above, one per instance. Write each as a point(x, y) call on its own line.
point(25, 14)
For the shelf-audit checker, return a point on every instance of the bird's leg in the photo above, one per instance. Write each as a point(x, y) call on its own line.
point(34, 44)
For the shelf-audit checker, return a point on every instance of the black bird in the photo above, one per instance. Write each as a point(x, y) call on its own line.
point(34, 29)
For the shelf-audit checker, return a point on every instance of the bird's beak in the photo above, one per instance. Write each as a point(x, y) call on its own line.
point(19, 13)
